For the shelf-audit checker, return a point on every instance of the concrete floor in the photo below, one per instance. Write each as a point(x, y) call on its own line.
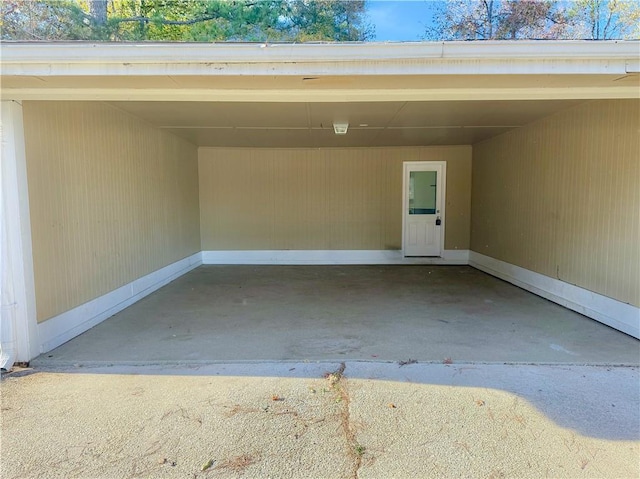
point(377, 420)
point(327, 313)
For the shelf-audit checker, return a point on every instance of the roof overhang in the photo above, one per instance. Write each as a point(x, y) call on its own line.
point(343, 72)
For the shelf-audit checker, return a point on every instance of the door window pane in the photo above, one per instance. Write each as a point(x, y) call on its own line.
point(422, 192)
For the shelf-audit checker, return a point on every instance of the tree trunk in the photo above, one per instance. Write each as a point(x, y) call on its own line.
point(98, 10)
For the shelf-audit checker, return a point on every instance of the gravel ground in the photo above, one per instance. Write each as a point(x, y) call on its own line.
point(285, 420)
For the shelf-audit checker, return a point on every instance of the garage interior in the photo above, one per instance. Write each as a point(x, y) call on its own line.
point(122, 188)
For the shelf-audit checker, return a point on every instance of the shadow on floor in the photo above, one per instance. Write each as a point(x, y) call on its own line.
point(595, 401)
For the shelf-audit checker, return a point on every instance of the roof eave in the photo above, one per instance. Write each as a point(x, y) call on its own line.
point(509, 57)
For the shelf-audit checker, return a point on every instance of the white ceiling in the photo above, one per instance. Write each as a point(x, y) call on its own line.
point(420, 123)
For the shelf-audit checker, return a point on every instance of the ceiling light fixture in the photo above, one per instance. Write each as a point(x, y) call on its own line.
point(340, 128)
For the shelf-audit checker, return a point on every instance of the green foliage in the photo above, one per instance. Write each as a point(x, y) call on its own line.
point(334, 20)
point(186, 20)
point(308, 20)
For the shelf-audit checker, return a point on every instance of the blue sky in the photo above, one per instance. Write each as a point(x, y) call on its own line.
point(400, 20)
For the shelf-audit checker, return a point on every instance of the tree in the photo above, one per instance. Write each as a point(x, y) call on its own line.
point(194, 20)
point(604, 19)
point(535, 19)
point(98, 10)
point(496, 20)
point(31, 20)
point(334, 20)
point(530, 19)
point(470, 20)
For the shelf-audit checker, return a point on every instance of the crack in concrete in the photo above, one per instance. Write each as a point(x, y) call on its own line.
point(338, 382)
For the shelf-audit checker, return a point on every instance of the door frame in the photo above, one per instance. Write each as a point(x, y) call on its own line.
point(406, 165)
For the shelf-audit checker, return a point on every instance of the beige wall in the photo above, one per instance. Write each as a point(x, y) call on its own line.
point(310, 199)
point(562, 197)
point(111, 199)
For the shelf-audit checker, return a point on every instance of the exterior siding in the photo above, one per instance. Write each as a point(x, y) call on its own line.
point(561, 197)
point(328, 199)
point(112, 199)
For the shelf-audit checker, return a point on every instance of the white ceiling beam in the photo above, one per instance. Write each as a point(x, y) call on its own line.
point(323, 96)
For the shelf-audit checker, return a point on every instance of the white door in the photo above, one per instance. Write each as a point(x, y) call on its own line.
point(423, 213)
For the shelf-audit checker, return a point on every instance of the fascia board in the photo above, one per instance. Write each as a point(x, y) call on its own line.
point(377, 58)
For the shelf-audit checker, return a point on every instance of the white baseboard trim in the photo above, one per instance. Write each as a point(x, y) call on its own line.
point(621, 316)
point(293, 257)
point(456, 256)
point(65, 326)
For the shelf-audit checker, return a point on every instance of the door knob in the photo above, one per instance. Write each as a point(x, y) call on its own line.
point(438, 221)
